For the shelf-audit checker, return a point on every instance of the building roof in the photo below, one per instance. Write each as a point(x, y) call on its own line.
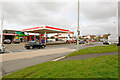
point(48, 29)
point(11, 30)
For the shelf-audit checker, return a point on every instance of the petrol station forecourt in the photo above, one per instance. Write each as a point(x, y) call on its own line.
point(44, 30)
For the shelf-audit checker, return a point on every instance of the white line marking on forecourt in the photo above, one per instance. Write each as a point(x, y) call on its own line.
point(58, 58)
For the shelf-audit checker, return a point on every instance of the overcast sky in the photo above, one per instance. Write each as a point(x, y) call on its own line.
point(96, 17)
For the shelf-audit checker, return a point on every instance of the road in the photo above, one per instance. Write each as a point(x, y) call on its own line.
point(15, 61)
point(11, 48)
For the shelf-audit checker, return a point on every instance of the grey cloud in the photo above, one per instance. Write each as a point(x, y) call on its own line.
point(98, 10)
point(97, 17)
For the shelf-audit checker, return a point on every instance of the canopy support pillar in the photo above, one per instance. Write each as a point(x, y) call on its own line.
point(35, 37)
point(45, 37)
point(30, 38)
point(40, 38)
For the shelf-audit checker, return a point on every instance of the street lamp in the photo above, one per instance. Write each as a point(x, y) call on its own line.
point(118, 21)
point(1, 31)
point(78, 29)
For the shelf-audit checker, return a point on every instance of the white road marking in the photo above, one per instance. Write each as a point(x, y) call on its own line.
point(58, 58)
point(9, 51)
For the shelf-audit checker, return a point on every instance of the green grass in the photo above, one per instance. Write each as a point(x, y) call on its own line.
point(96, 49)
point(99, 67)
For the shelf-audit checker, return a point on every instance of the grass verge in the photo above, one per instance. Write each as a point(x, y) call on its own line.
point(96, 49)
point(99, 67)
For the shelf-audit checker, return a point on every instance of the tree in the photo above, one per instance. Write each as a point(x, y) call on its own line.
point(106, 36)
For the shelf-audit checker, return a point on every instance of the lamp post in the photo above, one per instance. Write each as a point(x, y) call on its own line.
point(1, 30)
point(78, 29)
point(118, 22)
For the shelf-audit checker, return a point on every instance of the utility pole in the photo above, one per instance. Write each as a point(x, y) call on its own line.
point(118, 22)
point(117, 19)
point(1, 30)
point(78, 29)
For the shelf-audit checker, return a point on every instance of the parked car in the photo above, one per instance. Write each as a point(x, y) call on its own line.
point(81, 42)
point(93, 40)
point(70, 41)
point(101, 40)
point(16, 41)
point(34, 44)
point(2, 49)
point(74, 41)
point(61, 40)
point(105, 41)
point(7, 41)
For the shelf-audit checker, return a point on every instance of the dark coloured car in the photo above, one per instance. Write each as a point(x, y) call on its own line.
point(34, 44)
point(80, 42)
point(16, 41)
point(7, 41)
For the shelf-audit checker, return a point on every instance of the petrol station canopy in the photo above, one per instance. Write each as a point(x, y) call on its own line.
point(47, 29)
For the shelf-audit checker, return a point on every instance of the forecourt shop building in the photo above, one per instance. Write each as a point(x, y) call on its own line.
point(43, 31)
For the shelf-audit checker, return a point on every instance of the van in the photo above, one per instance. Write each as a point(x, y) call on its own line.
point(113, 39)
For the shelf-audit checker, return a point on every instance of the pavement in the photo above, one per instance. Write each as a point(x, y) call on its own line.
point(85, 56)
point(16, 60)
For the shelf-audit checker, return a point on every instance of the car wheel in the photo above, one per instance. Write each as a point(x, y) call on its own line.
point(39, 47)
point(31, 47)
point(43, 47)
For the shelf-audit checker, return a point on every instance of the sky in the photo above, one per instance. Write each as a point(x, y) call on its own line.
point(96, 17)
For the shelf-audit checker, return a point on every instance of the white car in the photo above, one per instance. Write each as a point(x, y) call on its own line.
point(2, 49)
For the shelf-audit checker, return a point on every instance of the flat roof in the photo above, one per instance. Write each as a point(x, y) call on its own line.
point(11, 30)
point(48, 29)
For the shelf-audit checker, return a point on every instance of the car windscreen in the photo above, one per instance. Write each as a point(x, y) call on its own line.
point(6, 40)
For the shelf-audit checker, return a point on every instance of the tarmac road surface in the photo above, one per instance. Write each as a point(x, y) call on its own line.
point(15, 61)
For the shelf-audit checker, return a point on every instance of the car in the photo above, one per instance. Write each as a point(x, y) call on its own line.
point(7, 41)
point(70, 41)
point(61, 40)
point(105, 41)
point(2, 49)
point(93, 40)
point(34, 44)
point(16, 41)
point(74, 41)
point(80, 41)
